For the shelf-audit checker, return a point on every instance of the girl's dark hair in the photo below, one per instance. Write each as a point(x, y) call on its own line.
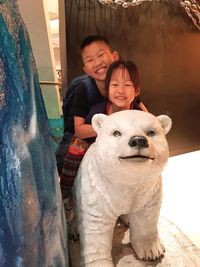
point(132, 69)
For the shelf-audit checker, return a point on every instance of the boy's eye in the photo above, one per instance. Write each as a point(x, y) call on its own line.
point(116, 133)
point(101, 55)
point(89, 61)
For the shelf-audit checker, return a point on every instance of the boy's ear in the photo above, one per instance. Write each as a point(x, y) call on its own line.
point(85, 70)
point(115, 55)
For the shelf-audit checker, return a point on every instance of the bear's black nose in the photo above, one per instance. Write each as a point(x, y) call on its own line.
point(139, 141)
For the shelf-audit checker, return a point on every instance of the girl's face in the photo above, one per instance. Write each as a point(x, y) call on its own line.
point(121, 89)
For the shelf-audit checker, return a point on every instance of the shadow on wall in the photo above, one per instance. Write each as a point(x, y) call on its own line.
point(30, 207)
point(161, 38)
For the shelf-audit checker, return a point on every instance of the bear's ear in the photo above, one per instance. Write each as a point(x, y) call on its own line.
point(166, 122)
point(97, 121)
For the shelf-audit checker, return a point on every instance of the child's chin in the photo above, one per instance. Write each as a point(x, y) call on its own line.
point(122, 105)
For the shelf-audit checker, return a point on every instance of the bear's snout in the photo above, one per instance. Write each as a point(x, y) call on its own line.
point(139, 141)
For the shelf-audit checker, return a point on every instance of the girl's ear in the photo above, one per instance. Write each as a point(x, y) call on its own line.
point(137, 91)
point(97, 121)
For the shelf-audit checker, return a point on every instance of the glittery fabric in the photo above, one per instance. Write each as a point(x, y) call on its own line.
point(32, 226)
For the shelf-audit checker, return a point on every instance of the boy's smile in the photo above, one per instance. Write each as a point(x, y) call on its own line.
point(97, 57)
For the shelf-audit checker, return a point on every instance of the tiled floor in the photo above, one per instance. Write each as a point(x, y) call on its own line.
point(180, 251)
point(181, 194)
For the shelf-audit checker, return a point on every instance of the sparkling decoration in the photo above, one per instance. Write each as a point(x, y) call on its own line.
point(192, 8)
point(2, 81)
point(123, 3)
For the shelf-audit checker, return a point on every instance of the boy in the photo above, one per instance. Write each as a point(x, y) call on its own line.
point(97, 56)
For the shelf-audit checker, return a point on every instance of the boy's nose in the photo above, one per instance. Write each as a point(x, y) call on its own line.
point(97, 61)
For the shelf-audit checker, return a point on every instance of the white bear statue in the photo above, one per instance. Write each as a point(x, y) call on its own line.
point(121, 174)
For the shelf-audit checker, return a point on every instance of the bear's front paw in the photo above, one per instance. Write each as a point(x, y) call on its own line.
point(149, 250)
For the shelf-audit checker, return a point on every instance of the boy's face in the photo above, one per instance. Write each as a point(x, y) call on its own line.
point(97, 57)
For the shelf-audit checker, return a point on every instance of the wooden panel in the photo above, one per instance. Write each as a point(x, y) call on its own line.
point(164, 43)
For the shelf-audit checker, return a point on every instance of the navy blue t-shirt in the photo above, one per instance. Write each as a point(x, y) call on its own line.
point(82, 104)
point(101, 108)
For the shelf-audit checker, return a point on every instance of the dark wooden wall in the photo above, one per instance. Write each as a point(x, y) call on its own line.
point(164, 43)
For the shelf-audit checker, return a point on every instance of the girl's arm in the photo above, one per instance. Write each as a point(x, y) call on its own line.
point(142, 106)
point(83, 130)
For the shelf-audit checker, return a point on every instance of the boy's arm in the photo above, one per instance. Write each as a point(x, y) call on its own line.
point(81, 109)
point(83, 130)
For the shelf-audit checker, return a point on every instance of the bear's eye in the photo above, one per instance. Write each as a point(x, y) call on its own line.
point(117, 133)
point(151, 133)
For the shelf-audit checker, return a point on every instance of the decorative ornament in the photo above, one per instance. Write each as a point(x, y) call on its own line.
point(192, 9)
point(123, 3)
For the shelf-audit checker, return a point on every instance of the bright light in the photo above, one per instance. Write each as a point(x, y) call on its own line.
point(54, 25)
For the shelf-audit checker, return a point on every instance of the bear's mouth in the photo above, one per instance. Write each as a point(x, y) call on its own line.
point(137, 157)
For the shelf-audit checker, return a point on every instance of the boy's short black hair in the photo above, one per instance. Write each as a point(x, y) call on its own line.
point(93, 38)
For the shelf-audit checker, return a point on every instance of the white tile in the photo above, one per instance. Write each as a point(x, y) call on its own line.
point(181, 194)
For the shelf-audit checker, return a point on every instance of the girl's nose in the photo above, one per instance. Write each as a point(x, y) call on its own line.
point(120, 89)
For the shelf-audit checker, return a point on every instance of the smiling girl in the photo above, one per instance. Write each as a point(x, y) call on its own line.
point(122, 85)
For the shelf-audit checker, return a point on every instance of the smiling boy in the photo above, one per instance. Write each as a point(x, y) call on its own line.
point(97, 56)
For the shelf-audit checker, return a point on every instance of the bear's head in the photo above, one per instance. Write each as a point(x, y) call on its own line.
point(131, 146)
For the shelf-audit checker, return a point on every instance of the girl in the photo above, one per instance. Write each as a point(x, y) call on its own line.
point(122, 86)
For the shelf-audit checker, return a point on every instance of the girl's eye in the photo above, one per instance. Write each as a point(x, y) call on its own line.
point(151, 133)
point(114, 84)
point(117, 133)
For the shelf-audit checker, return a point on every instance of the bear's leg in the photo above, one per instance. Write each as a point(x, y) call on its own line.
point(96, 243)
point(144, 235)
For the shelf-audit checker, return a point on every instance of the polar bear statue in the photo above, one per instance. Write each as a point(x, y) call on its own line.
point(121, 174)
